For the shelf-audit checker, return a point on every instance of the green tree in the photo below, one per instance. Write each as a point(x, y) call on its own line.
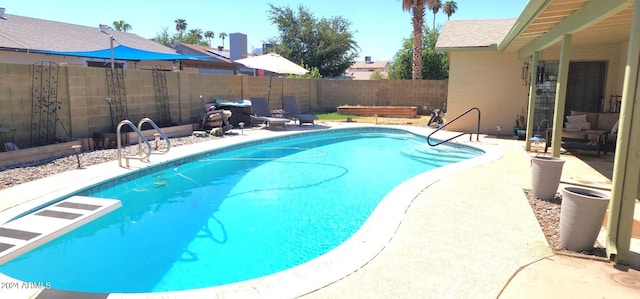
point(435, 6)
point(313, 73)
point(449, 8)
point(163, 37)
point(121, 26)
point(327, 43)
point(401, 67)
point(377, 75)
point(181, 26)
point(416, 7)
point(209, 35)
point(222, 36)
point(194, 37)
point(435, 64)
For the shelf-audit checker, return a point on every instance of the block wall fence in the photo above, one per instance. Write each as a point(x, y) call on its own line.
point(83, 109)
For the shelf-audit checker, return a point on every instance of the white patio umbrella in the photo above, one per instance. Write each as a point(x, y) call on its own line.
point(274, 63)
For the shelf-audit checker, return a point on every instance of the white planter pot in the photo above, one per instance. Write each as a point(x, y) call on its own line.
point(581, 215)
point(545, 176)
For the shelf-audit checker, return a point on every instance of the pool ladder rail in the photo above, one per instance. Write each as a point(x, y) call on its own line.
point(454, 119)
point(142, 155)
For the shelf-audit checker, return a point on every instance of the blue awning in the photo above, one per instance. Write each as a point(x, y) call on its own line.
point(121, 52)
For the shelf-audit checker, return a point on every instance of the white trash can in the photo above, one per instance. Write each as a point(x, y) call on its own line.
point(581, 215)
point(545, 176)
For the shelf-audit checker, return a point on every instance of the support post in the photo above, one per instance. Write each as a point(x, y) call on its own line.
point(627, 161)
point(532, 100)
point(561, 95)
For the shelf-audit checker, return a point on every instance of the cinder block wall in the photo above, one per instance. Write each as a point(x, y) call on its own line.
point(84, 110)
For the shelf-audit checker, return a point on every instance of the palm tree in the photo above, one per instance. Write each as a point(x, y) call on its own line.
point(121, 26)
point(194, 36)
point(435, 6)
point(449, 8)
point(417, 9)
point(181, 26)
point(208, 35)
point(222, 36)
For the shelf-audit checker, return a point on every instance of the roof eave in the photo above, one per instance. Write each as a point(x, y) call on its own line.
point(492, 47)
point(529, 13)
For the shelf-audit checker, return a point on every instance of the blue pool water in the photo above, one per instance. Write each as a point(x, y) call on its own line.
point(234, 214)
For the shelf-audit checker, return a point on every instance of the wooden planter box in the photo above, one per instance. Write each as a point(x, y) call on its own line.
point(59, 150)
point(42, 153)
point(382, 111)
point(129, 138)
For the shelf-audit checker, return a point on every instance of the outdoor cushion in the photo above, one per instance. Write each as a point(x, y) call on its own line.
point(606, 121)
point(582, 118)
point(592, 117)
point(577, 126)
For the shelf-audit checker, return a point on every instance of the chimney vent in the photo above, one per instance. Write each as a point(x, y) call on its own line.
point(367, 59)
point(2, 16)
point(104, 28)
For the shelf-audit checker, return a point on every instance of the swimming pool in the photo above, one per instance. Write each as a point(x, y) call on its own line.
point(303, 195)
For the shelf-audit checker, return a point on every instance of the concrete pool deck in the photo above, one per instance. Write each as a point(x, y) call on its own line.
point(471, 234)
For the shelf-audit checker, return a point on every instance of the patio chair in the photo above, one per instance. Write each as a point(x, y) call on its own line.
point(261, 114)
point(291, 110)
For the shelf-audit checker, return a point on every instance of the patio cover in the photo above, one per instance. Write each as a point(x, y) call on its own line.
point(121, 52)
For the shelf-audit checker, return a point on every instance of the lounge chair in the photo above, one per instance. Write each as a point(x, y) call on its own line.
point(291, 110)
point(261, 114)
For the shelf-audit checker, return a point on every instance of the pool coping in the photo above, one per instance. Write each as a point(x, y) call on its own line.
point(338, 263)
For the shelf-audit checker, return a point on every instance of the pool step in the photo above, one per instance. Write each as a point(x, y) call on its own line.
point(32, 230)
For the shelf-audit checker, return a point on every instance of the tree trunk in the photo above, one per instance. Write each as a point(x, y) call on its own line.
point(418, 21)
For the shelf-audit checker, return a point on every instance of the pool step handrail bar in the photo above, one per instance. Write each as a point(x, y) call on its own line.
point(161, 134)
point(142, 156)
point(453, 120)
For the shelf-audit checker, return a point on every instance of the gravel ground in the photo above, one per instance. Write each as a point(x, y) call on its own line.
point(546, 212)
point(15, 176)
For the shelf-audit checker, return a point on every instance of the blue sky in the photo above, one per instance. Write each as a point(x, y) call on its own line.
point(379, 25)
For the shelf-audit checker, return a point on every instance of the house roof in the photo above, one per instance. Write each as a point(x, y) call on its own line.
point(24, 33)
point(213, 61)
point(473, 34)
point(373, 65)
point(180, 47)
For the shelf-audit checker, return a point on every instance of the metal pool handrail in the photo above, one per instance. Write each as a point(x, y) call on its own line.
point(454, 119)
point(142, 157)
point(148, 120)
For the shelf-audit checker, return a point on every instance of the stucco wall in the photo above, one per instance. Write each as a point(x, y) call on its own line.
point(490, 81)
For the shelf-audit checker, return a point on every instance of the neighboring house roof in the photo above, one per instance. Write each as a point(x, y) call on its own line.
point(191, 49)
point(362, 70)
point(214, 61)
point(361, 75)
point(473, 34)
point(24, 33)
point(375, 65)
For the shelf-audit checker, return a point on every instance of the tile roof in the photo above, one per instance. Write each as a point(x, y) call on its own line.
point(17, 32)
point(458, 34)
